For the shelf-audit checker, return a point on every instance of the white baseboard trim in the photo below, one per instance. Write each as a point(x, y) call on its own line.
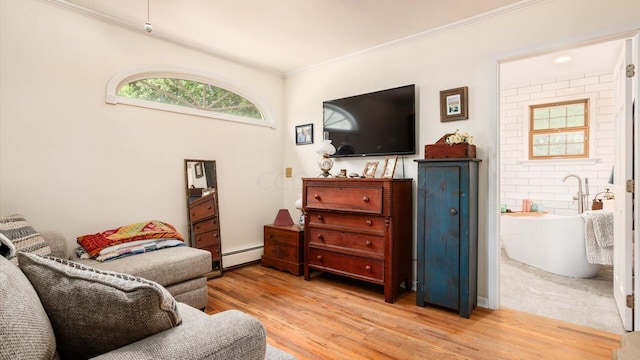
point(242, 256)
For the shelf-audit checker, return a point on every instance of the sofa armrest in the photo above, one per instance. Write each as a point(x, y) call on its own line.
point(226, 335)
point(57, 243)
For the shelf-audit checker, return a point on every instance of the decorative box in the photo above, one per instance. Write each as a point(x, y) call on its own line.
point(442, 150)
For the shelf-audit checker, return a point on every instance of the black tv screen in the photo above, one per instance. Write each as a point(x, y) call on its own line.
point(377, 123)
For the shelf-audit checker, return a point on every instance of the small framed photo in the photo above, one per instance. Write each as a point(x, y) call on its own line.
point(370, 169)
point(389, 166)
point(304, 134)
point(454, 104)
point(197, 167)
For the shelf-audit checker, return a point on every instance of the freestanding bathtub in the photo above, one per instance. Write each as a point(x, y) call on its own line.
point(554, 243)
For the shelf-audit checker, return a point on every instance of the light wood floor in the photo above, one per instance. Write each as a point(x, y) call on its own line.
point(331, 317)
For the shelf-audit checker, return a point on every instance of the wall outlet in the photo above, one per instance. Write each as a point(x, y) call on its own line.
point(287, 172)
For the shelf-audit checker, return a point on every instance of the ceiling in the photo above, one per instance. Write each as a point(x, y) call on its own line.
point(283, 36)
point(288, 35)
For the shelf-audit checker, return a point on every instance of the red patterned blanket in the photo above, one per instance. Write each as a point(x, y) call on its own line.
point(153, 229)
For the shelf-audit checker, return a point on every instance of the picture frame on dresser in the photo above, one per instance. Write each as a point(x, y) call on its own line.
point(389, 167)
point(370, 169)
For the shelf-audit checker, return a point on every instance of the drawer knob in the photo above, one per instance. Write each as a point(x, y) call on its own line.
point(368, 268)
point(369, 222)
point(316, 196)
point(368, 243)
point(319, 257)
point(453, 211)
point(320, 217)
point(365, 199)
point(197, 227)
point(209, 207)
point(319, 236)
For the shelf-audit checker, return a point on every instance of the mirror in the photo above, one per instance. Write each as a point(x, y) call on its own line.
point(202, 208)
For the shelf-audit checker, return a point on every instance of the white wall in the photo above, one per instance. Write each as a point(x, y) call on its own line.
point(443, 60)
point(71, 162)
point(541, 180)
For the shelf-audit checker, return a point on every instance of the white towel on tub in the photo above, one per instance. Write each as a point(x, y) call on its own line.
point(598, 236)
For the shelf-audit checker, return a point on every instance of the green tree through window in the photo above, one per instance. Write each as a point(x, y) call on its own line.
point(192, 94)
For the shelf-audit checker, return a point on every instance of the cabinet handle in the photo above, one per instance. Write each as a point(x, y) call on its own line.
point(197, 227)
point(369, 222)
point(453, 211)
point(316, 196)
point(368, 268)
point(319, 257)
point(365, 199)
point(319, 236)
point(368, 243)
point(320, 217)
point(209, 207)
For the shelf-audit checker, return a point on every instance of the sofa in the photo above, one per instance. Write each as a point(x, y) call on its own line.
point(53, 308)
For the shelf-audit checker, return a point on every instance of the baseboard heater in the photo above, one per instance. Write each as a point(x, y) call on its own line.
point(239, 257)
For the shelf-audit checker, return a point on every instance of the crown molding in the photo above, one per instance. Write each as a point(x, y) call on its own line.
point(524, 4)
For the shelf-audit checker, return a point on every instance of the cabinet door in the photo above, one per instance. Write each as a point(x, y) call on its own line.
point(442, 235)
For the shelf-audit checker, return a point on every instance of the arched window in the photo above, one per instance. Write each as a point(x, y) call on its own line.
point(185, 92)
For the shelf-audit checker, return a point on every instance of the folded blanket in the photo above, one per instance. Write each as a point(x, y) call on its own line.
point(153, 229)
point(139, 249)
point(598, 235)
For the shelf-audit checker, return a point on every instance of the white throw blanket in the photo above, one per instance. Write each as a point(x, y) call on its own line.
point(598, 235)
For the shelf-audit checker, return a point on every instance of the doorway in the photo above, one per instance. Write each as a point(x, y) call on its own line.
point(573, 74)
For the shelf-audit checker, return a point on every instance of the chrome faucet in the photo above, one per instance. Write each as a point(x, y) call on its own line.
point(581, 196)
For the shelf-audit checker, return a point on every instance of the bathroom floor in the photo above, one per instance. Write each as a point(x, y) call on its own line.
point(581, 301)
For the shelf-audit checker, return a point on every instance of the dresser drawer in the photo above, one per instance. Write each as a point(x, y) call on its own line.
point(354, 266)
point(205, 225)
point(283, 249)
point(346, 241)
point(215, 252)
point(208, 238)
point(203, 208)
point(355, 199)
point(366, 223)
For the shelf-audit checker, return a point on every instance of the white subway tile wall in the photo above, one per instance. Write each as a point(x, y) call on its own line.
point(541, 180)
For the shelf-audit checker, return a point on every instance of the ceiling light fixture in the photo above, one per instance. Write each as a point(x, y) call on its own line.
point(147, 27)
point(562, 59)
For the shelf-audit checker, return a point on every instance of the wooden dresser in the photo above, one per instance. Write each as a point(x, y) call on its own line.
point(283, 248)
point(203, 214)
point(359, 228)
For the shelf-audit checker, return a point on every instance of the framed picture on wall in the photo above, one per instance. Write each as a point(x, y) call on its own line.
point(454, 104)
point(197, 168)
point(304, 134)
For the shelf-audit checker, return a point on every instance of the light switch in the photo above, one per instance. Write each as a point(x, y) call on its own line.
point(287, 172)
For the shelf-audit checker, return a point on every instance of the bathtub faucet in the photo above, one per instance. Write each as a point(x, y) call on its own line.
point(581, 195)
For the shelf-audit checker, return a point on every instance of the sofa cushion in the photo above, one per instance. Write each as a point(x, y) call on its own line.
point(166, 267)
point(24, 236)
point(94, 311)
point(24, 325)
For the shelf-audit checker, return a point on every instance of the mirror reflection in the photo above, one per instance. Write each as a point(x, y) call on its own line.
point(202, 209)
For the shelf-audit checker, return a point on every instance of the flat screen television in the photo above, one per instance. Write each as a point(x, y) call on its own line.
point(377, 123)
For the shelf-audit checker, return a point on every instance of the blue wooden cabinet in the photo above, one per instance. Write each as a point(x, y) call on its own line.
point(447, 234)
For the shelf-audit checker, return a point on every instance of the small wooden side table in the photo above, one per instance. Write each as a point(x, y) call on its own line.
point(283, 248)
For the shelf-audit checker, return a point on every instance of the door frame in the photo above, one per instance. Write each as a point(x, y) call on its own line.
point(493, 239)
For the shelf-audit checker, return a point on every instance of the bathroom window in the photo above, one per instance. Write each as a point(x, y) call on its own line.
point(559, 130)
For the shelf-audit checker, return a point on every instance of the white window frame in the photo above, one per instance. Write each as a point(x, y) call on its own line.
point(136, 74)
